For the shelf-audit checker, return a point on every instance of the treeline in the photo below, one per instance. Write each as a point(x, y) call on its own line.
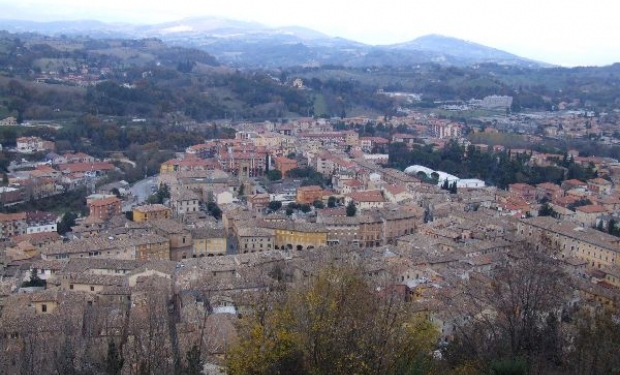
point(498, 168)
point(516, 321)
point(143, 78)
point(531, 88)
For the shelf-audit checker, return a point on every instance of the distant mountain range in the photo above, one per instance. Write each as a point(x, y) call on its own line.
point(248, 44)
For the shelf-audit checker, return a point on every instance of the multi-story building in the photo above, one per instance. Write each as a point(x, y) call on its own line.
point(297, 236)
point(29, 145)
point(150, 212)
point(587, 215)
point(244, 162)
point(104, 209)
point(399, 222)
point(251, 239)
point(570, 240)
point(599, 186)
point(366, 199)
point(203, 150)
point(446, 130)
point(179, 237)
point(41, 222)
point(209, 242)
point(525, 191)
point(548, 191)
point(190, 163)
point(258, 201)
point(141, 247)
point(184, 201)
point(368, 144)
point(13, 224)
point(284, 164)
point(342, 229)
point(308, 194)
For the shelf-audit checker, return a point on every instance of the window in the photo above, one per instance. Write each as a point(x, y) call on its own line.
point(71, 286)
point(92, 288)
point(44, 308)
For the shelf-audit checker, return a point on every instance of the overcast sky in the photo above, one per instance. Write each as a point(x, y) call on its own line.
point(565, 32)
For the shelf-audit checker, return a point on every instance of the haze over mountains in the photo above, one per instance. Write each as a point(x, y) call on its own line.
point(248, 44)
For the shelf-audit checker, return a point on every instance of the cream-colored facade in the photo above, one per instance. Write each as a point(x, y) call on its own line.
point(209, 246)
point(569, 240)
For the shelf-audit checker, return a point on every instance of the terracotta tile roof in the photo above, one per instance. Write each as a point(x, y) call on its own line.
point(591, 209)
point(367, 196)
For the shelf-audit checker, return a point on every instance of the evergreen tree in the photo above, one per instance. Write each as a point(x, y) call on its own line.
point(194, 362)
point(445, 184)
point(351, 209)
point(611, 227)
point(114, 361)
point(331, 202)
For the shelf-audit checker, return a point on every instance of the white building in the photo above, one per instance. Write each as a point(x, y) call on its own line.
point(470, 183)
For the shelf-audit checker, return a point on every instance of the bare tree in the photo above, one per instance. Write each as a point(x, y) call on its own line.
point(514, 314)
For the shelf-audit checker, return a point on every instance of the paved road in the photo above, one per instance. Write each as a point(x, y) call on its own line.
point(140, 191)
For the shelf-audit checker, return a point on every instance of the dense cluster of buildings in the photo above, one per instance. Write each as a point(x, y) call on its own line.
point(428, 242)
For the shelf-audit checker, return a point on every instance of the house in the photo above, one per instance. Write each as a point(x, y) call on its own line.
point(86, 168)
point(146, 246)
point(258, 201)
point(162, 269)
point(548, 191)
point(366, 199)
point(150, 212)
point(368, 144)
point(350, 186)
point(396, 193)
point(600, 186)
point(11, 195)
point(308, 194)
point(79, 157)
point(30, 145)
point(8, 121)
point(403, 138)
point(587, 215)
point(525, 191)
point(40, 222)
point(574, 185)
point(13, 224)
point(183, 201)
point(88, 282)
point(45, 302)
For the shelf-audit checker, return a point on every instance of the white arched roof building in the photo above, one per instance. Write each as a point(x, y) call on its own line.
point(443, 176)
point(415, 169)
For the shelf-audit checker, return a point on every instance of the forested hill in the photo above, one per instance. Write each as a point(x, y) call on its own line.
point(63, 77)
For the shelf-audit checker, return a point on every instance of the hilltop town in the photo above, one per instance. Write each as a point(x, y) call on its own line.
point(161, 213)
point(230, 218)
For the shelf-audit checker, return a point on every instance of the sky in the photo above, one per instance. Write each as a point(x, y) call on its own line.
point(567, 33)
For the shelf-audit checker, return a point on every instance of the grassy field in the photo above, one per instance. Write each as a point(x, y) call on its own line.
point(48, 64)
point(130, 56)
point(320, 108)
